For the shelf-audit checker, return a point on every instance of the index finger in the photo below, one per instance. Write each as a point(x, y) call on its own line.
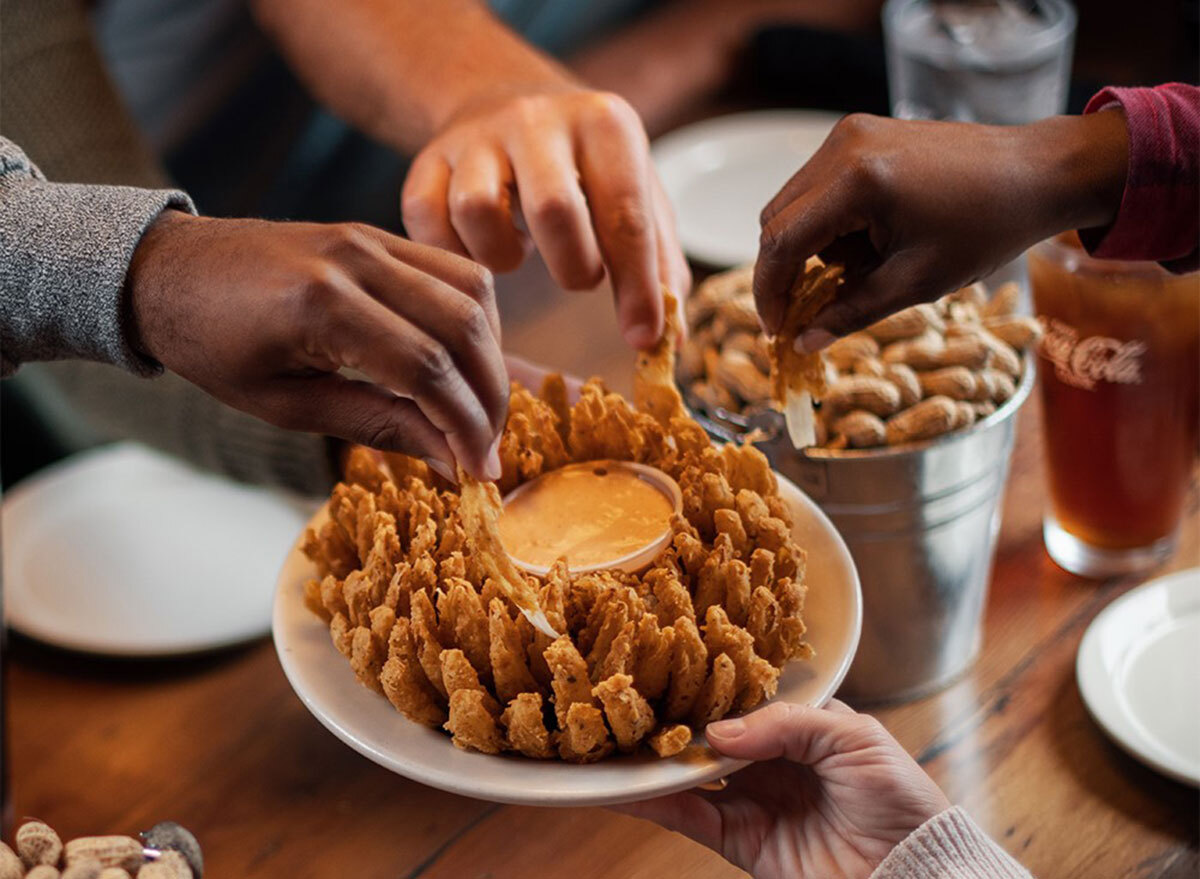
point(614, 168)
point(805, 227)
point(463, 274)
point(795, 732)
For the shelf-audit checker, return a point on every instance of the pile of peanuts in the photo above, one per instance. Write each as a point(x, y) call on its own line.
point(41, 854)
point(917, 374)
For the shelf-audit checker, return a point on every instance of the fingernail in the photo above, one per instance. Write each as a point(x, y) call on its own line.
point(811, 341)
point(727, 729)
point(769, 318)
point(640, 337)
point(442, 469)
point(491, 468)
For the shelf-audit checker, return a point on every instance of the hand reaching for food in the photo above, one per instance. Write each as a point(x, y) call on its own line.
point(264, 315)
point(917, 209)
point(509, 145)
point(830, 794)
point(572, 167)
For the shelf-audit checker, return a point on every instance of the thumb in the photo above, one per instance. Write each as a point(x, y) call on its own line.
point(359, 412)
point(795, 732)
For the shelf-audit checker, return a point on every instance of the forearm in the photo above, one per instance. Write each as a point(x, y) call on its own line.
point(1047, 177)
point(685, 51)
point(64, 253)
point(401, 69)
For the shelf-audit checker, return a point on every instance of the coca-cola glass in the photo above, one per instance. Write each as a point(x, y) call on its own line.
point(1120, 381)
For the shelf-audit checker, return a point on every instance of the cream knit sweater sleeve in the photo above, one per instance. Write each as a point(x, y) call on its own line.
point(949, 846)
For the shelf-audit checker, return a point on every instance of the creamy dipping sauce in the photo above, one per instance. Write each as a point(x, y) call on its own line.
point(591, 513)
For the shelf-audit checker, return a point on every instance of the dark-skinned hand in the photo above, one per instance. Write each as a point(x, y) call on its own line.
point(917, 209)
point(264, 315)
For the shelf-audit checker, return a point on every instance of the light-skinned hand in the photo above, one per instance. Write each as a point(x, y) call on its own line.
point(263, 315)
point(830, 794)
point(570, 166)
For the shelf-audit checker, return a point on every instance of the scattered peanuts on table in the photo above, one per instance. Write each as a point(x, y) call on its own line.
point(41, 854)
point(915, 375)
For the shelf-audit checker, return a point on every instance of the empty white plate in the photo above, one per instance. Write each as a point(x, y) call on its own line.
point(1139, 672)
point(367, 722)
point(720, 174)
point(125, 551)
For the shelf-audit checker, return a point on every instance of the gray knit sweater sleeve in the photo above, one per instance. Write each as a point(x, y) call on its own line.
point(949, 846)
point(64, 252)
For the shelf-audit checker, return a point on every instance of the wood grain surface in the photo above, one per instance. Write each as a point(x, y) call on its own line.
point(221, 744)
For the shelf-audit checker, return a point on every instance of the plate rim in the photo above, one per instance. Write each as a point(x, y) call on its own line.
point(505, 793)
point(1100, 697)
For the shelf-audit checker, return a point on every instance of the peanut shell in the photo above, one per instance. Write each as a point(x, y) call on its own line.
point(929, 418)
point(907, 323)
point(861, 429)
point(37, 843)
point(1004, 356)
point(739, 313)
point(921, 352)
point(850, 348)
point(976, 294)
point(1001, 384)
point(1016, 330)
point(966, 415)
point(10, 865)
point(875, 395)
point(905, 380)
point(1003, 302)
point(172, 865)
point(869, 366)
point(85, 869)
point(737, 373)
point(110, 851)
point(955, 382)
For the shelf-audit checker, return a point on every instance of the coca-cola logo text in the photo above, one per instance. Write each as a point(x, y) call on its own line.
point(1084, 362)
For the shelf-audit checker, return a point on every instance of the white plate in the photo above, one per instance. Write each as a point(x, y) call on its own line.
point(128, 552)
point(366, 722)
point(720, 174)
point(1139, 672)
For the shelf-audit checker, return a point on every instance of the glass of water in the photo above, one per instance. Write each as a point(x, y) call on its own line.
point(1001, 62)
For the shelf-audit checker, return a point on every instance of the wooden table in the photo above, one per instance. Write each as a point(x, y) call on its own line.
point(222, 745)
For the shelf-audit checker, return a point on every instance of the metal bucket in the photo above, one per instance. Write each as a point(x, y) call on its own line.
point(921, 523)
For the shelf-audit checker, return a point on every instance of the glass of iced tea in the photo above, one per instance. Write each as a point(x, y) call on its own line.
point(1120, 377)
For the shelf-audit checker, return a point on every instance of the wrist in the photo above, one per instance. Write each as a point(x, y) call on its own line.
point(488, 66)
point(144, 285)
point(492, 94)
point(1087, 171)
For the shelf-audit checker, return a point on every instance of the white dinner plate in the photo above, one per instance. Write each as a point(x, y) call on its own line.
point(720, 174)
point(125, 551)
point(1139, 672)
point(366, 722)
